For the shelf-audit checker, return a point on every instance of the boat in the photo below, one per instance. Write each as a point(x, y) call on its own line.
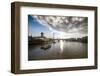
point(45, 47)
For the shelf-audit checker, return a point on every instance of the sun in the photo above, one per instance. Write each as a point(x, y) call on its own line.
point(62, 35)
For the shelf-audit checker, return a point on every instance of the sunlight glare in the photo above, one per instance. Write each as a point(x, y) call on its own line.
point(61, 45)
point(62, 35)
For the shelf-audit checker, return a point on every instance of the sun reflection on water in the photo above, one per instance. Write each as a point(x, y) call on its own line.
point(61, 45)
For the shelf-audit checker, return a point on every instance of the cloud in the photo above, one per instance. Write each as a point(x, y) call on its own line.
point(66, 24)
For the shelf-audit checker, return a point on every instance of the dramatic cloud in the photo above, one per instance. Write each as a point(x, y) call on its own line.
point(66, 24)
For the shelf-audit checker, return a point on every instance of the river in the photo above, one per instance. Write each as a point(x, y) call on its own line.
point(59, 50)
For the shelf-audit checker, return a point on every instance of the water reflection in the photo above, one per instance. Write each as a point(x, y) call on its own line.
point(59, 50)
point(61, 45)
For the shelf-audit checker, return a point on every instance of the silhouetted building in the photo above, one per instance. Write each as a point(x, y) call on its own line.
point(42, 34)
point(38, 40)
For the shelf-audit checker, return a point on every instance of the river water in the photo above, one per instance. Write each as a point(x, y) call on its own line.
point(59, 50)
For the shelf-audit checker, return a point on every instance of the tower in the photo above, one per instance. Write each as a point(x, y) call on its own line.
point(42, 34)
point(53, 35)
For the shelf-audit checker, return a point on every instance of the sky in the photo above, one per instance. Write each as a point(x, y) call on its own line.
point(61, 26)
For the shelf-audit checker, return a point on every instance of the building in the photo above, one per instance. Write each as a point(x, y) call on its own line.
point(38, 40)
